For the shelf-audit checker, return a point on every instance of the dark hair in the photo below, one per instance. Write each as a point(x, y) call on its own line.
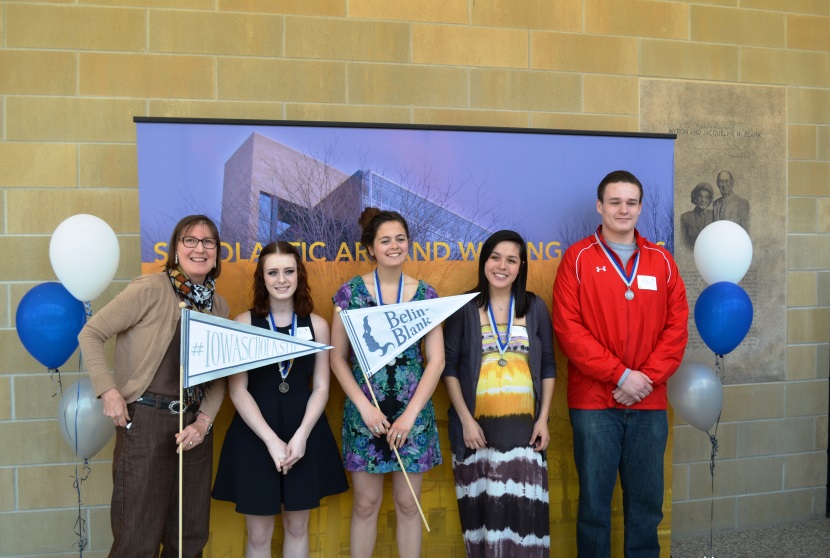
point(519, 287)
point(701, 187)
point(618, 176)
point(182, 227)
point(303, 304)
point(370, 221)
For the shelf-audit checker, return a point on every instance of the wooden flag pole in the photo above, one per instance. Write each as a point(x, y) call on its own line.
point(400, 462)
point(181, 453)
point(182, 305)
point(397, 455)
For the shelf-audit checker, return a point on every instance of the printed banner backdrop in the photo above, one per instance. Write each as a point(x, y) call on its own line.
point(308, 182)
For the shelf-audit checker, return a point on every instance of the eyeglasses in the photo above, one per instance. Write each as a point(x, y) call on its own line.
point(193, 242)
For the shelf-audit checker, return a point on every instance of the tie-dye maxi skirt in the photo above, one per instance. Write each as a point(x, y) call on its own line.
point(503, 502)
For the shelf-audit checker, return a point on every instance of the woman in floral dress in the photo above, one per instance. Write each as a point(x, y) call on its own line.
point(406, 419)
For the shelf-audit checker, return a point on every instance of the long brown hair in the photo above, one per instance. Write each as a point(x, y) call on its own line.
point(303, 304)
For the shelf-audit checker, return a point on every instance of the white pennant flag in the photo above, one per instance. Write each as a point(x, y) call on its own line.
point(378, 334)
point(214, 347)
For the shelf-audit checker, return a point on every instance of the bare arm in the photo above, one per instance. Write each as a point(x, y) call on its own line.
point(434, 354)
point(319, 395)
point(250, 412)
point(371, 415)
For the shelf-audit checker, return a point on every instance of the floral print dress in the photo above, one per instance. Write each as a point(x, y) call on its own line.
point(393, 386)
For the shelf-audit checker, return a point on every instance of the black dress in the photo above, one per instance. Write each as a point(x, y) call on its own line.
point(248, 476)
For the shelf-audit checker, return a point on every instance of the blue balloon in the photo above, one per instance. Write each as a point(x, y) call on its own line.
point(723, 315)
point(49, 320)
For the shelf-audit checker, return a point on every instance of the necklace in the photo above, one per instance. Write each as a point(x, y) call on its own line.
point(500, 305)
point(502, 347)
point(283, 367)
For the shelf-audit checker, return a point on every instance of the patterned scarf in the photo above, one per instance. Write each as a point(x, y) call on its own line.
point(197, 296)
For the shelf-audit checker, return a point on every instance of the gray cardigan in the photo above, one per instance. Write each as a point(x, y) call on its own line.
point(462, 353)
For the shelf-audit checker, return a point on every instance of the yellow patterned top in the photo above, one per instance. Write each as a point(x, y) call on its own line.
point(504, 390)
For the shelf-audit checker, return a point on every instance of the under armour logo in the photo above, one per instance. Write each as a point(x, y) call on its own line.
point(600, 269)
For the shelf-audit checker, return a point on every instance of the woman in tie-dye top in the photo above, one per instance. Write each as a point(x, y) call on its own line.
point(500, 373)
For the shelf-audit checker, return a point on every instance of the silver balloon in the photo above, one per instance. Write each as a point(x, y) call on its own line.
point(81, 412)
point(696, 394)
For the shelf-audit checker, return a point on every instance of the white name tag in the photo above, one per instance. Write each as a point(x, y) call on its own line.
point(305, 333)
point(646, 283)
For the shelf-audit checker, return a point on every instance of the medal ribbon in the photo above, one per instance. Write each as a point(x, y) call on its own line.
point(379, 297)
point(628, 280)
point(285, 368)
point(502, 346)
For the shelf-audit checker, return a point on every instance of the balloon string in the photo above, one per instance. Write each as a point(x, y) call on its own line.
point(80, 523)
point(88, 308)
point(720, 372)
point(55, 376)
point(713, 439)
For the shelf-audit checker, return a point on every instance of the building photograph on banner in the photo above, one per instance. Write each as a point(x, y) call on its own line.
point(307, 183)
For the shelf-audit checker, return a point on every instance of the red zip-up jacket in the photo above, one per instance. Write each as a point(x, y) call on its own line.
point(602, 333)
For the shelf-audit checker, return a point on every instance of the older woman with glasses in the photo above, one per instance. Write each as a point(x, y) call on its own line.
point(141, 396)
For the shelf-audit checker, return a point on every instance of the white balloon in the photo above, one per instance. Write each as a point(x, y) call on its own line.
point(84, 252)
point(696, 394)
point(723, 252)
point(82, 421)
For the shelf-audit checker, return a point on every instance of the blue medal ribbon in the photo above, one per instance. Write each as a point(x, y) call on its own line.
point(379, 297)
point(283, 367)
point(502, 347)
point(627, 279)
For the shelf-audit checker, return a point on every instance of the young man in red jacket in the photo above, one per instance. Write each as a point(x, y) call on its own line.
point(620, 316)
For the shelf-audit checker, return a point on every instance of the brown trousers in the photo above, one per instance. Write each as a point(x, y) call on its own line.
point(145, 493)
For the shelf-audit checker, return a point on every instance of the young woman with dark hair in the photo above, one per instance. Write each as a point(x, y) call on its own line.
point(406, 419)
point(500, 372)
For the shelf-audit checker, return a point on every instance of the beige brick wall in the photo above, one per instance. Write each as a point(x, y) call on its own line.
point(74, 73)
